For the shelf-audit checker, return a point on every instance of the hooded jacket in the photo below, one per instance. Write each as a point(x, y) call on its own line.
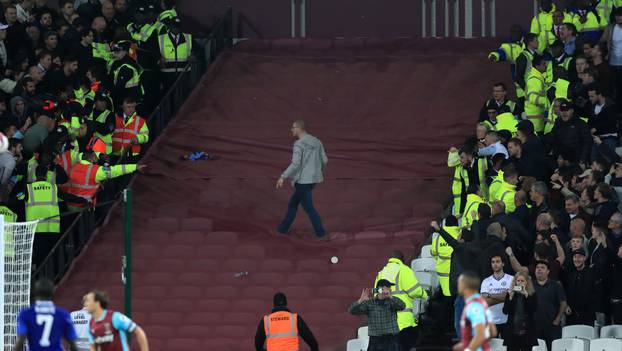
point(308, 161)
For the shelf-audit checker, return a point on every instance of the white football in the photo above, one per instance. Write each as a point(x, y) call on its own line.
point(4, 143)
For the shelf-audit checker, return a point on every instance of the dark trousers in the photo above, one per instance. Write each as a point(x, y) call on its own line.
point(408, 338)
point(302, 196)
point(500, 330)
point(549, 334)
point(617, 82)
point(383, 343)
point(42, 246)
point(616, 311)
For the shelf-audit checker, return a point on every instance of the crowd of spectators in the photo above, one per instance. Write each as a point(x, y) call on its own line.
point(537, 188)
point(78, 79)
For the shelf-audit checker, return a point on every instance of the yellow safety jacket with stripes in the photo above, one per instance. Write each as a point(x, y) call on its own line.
point(461, 183)
point(406, 288)
point(507, 121)
point(506, 194)
point(42, 204)
point(441, 251)
point(100, 117)
point(536, 100)
point(472, 205)
point(174, 56)
point(9, 217)
point(520, 92)
point(495, 185)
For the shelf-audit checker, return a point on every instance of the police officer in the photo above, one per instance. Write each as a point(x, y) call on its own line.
point(169, 11)
point(175, 51)
point(126, 73)
point(523, 66)
point(146, 37)
point(103, 119)
point(406, 288)
point(281, 328)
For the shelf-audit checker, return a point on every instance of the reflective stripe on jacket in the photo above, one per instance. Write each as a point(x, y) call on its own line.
point(442, 251)
point(42, 204)
point(281, 331)
point(406, 288)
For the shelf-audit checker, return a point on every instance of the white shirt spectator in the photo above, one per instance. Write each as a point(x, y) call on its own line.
point(492, 285)
point(615, 56)
point(23, 16)
point(81, 320)
point(493, 149)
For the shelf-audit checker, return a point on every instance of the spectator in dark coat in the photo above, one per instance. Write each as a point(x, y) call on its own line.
point(572, 133)
point(606, 203)
point(522, 213)
point(532, 152)
point(492, 245)
point(580, 281)
point(603, 119)
point(520, 306)
point(518, 237)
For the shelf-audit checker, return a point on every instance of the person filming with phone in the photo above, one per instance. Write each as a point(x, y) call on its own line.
point(520, 306)
point(381, 309)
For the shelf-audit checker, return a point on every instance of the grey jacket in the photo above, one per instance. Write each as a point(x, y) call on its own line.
point(308, 161)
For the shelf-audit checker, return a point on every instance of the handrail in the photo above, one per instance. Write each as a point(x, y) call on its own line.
point(464, 24)
point(87, 220)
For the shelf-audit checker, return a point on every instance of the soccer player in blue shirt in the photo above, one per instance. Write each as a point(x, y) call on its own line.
point(43, 324)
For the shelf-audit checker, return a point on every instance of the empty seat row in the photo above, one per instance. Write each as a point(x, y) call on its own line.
point(589, 332)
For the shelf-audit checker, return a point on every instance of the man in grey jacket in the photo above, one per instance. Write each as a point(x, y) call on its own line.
point(308, 163)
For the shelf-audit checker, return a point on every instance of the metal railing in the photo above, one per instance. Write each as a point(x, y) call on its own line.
point(455, 25)
point(82, 224)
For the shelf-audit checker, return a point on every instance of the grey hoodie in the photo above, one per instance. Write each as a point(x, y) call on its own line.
point(308, 161)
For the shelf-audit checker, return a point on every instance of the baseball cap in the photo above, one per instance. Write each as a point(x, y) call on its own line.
point(122, 45)
point(173, 22)
point(566, 106)
point(617, 11)
point(384, 282)
point(101, 96)
point(3, 26)
point(578, 252)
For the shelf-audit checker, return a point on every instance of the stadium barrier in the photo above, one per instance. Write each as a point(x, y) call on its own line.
point(83, 223)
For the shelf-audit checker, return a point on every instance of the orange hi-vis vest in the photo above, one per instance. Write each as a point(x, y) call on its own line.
point(123, 134)
point(66, 160)
point(281, 331)
point(97, 145)
point(82, 182)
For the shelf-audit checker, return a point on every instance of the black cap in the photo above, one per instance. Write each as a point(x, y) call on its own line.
point(566, 106)
point(173, 22)
point(101, 96)
point(578, 252)
point(61, 131)
point(122, 45)
point(617, 11)
point(384, 282)
point(279, 300)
